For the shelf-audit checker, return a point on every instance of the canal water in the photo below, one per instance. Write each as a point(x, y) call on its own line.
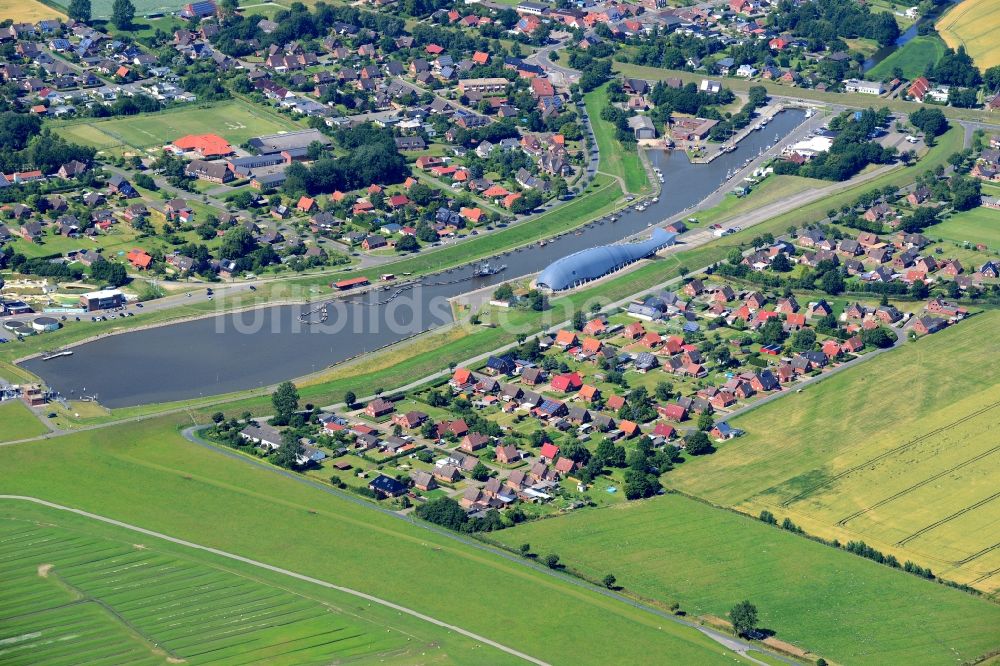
point(240, 351)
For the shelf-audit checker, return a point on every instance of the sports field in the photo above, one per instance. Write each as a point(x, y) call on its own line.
point(17, 422)
point(234, 121)
point(902, 452)
point(974, 24)
point(72, 597)
point(27, 11)
point(162, 482)
point(979, 225)
point(839, 606)
point(913, 58)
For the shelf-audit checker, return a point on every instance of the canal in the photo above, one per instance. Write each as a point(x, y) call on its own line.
point(233, 352)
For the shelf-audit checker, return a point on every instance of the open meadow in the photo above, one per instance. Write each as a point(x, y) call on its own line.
point(901, 452)
point(975, 25)
point(165, 483)
point(17, 422)
point(913, 58)
point(615, 159)
point(979, 225)
point(27, 11)
point(70, 596)
point(101, 9)
point(837, 605)
point(234, 121)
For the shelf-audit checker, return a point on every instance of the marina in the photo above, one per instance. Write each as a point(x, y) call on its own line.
point(238, 351)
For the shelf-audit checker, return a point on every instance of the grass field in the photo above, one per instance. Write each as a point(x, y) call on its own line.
point(771, 190)
point(235, 121)
point(979, 225)
point(615, 159)
point(901, 452)
point(837, 605)
point(17, 422)
point(164, 483)
point(973, 24)
point(27, 11)
point(101, 9)
point(913, 58)
point(68, 595)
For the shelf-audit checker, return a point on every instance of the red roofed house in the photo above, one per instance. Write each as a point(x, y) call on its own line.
point(589, 393)
point(139, 259)
point(434, 49)
point(630, 428)
point(549, 451)
point(919, 88)
point(461, 378)
point(566, 382)
point(565, 339)
point(664, 430)
point(480, 58)
point(206, 145)
point(673, 412)
point(509, 200)
point(777, 43)
point(594, 327)
point(306, 204)
point(472, 214)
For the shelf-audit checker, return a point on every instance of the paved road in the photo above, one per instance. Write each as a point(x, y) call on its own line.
point(737, 645)
point(284, 572)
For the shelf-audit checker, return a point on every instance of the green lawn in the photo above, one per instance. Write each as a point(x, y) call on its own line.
point(899, 452)
point(772, 189)
point(979, 225)
point(164, 483)
point(913, 58)
point(837, 605)
point(17, 422)
point(235, 121)
point(79, 591)
point(616, 159)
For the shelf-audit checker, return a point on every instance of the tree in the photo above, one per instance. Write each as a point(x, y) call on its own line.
point(609, 581)
point(804, 339)
point(579, 320)
point(929, 121)
point(443, 511)
point(744, 618)
point(350, 398)
point(780, 263)
point(772, 332)
point(525, 549)
point(289, 450)
point(122, 13)
point(79, 10)
point(503, 293)
point(705, 421)
point(697, 443)
point(552, 561)
point(407, 244)
point(109, 272)
point(832, 283)
point(480, 472)
point(218, 417)
point(285, 400)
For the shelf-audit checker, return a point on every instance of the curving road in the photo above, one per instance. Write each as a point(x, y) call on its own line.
point(284, 572)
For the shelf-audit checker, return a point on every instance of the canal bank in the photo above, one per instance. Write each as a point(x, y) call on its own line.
point(251, 349)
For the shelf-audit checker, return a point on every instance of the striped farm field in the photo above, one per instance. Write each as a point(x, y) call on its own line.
point(973, 24)
point(27, 11)
point(74, 598)
point(902, 452)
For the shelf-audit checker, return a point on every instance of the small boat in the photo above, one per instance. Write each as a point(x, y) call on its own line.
point(486, 269)
point(656, 199)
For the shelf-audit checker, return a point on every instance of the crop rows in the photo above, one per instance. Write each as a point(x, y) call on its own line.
point(73, 599)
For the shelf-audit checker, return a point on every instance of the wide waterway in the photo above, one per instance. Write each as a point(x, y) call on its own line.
point(240, 351)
